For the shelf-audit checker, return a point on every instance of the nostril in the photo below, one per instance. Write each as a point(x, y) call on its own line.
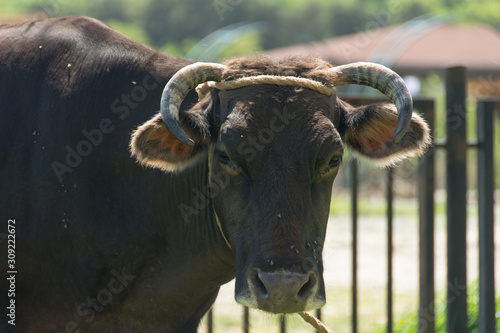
point(260, 287)
point(308, 288)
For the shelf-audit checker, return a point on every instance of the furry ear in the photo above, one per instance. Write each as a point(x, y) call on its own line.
point(154, 146)
point(369, 130)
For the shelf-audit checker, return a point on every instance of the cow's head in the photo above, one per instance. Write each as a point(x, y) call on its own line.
point(279, 140)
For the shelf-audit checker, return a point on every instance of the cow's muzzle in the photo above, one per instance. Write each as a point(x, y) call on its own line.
point(282, 291)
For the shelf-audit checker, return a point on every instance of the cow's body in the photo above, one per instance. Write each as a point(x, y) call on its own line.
point(106, 245)
point(108, 214)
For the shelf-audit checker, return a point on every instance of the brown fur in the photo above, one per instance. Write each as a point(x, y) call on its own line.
point(299, 66)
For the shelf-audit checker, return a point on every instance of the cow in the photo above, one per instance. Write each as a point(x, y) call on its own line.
point(128, 200)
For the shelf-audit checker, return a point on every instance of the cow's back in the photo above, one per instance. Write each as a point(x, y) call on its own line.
point(66, 112)
point(58, 81)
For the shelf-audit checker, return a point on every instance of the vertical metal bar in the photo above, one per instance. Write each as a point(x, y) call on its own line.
point(246, 320)
point(210, 323)
point(354, 216)
point(456, 141)
point(426, 186)
point(390, 174)
point(318, 315)
point(282, 324)
point(486, 188)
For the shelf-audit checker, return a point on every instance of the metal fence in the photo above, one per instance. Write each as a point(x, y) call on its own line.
point(456, 147)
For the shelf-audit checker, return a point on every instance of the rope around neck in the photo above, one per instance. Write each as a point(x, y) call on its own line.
point(204, 88)
point(221, 231)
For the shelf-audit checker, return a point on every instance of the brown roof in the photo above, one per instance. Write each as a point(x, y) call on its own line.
point(20, 18)
point(411, 48)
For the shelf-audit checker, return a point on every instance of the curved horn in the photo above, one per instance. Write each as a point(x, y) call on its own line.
point(176, 90)
point(383, 79)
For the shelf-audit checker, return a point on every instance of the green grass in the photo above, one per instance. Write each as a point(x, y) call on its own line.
point(342, 205)
point(409, 323)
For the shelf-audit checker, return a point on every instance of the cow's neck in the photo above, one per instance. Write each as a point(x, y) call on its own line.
point(198, 219)
point(199, 257)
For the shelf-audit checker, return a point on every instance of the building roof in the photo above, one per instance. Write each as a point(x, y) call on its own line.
point(412, 48)
point(20, 18)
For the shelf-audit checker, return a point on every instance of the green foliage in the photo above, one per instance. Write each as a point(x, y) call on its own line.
point(409, 323)
point(485, 11)
point(248, 43)
point(181, 48)
point(14, 8)
point(175, 20)
point(173, 24)
point(131, 29)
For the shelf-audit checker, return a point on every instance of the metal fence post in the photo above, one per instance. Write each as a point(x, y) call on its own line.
point(426, 186)
point(456, 143)
point(210, 318)
point(390, 196)
point(354, 216)
point(318, 315)
point(246, 320)
point(282, 324)
point(486, 188)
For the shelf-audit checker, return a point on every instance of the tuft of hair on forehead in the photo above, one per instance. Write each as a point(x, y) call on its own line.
point(309, 67)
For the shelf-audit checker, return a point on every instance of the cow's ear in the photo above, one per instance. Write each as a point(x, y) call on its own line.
point(368, 131)
point(154, 146)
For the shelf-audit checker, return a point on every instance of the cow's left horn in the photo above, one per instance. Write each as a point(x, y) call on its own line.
point(386, 81)
point(176, 90)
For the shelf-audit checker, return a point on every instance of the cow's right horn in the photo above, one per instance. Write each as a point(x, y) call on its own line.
point(176, 90)
point(386, 81)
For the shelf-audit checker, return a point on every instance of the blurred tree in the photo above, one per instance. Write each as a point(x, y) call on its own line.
point(180, 48)
point(412, 10)
point(248, 43)
point(180, 23)
point(108, 10)
point(174, 20)
point(132, 30)
point(349, 18)
point(486, 11)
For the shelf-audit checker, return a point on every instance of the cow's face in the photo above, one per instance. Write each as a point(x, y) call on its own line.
point(274, 153)
point(281, 150)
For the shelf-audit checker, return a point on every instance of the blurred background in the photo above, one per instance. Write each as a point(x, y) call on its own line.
point(176, 26)
point(417, 38)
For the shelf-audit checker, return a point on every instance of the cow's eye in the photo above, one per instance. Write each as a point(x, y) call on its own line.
point(332, 164)
point(228, 164)
point(335, 161)
point(224, 159)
